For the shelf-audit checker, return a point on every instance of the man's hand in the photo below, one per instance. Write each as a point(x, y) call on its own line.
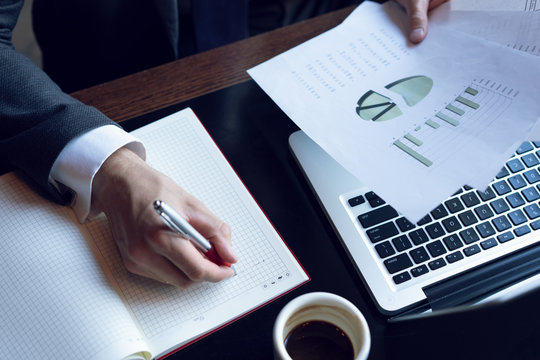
point(125, 188)
point(418, 16)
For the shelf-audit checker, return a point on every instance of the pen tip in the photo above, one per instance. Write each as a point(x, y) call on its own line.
point(157, 204)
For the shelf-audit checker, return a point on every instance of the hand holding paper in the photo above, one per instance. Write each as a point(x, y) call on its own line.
point(444, 113)
point(417, 11)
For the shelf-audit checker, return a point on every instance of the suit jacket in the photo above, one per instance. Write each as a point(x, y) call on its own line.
point(95, 41)
point(37, 119)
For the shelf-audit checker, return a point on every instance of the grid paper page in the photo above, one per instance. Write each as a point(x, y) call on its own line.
point(55, 300)
point(179, 146)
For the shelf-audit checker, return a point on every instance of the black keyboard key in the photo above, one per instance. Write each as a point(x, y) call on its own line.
point(452, 242)
point(499, 206)
point(487, 194)
point(458, 192)
point(489, 243)
point(385, 249)
point(524, 147)
point(382, 232)
point(515, 165)
point(530, 160)
point(453, 257)
point(532, 176)
point(502, 187)
point(531, 194)
point(517, 181)
point(485, 229)
point(357, 200)
point(515, 200)
point(425, 220)
point(404, 224)
point(374, 199)
point(435, 230)
point(532, 211)
point(454, 205)
point(483, 212)
point(451, 224)
point(439, 212)
point(377, 216)
point(522, 230)
point(402, 243)
point(436, 248)
point(517, 217)
point(469, 236)
point(401, 278)
point(504, 237)
point(471, 250)
point(535, 225)
point(468, 218)
point(398, 263)
point(419, 255)
point(467, 187)
point(502, 173)
point(436, 264)
point(418, 236)
point(501, 223)
point(470, 199)
point(419, 271)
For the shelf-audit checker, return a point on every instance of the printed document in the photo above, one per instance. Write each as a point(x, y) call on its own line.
point(519, 30)
point(413, 122)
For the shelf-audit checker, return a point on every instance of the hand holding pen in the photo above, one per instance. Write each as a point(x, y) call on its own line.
point(125, 189)
point(180, 226)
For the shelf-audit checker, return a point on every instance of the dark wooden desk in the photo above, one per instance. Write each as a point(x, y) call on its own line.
point(252, 132)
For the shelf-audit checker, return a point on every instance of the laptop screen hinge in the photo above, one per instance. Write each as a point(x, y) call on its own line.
point(484, 280)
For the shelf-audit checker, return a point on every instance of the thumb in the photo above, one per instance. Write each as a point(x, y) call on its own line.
point(418, 19)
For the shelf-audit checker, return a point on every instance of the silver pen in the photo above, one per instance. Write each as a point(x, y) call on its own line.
point(179, 225)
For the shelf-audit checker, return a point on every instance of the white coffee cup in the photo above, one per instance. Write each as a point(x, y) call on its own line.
point(327, 307)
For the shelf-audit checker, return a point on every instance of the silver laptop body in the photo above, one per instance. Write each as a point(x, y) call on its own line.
point(451, 259)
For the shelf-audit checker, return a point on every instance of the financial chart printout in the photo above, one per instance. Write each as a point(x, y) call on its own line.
point(519, 30)
point(413, 122)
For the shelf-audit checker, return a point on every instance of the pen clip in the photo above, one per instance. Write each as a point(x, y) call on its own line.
point(163, 211)
point(171, 224)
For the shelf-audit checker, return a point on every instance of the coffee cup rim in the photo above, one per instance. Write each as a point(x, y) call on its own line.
point(318, 297)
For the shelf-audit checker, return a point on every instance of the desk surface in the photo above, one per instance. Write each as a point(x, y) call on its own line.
point(252, 132)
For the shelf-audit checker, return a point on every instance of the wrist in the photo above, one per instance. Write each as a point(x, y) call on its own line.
point(113, 176)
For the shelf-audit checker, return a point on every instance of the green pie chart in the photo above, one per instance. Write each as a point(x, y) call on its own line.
point(373, 106)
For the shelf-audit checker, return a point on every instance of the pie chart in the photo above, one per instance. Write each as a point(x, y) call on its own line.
point(373, 106)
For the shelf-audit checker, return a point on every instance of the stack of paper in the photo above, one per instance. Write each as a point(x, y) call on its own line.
point(413, 122)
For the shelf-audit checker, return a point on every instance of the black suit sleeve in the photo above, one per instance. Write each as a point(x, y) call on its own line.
point(36, 118)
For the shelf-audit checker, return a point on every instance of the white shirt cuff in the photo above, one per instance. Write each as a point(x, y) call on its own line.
point(81, 159)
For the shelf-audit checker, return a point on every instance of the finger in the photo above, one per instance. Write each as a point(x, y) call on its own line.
point(214, 230)
point(154, 266)
point(434, 3)
point(418, 20)
point(223, 246)
point(190, 261)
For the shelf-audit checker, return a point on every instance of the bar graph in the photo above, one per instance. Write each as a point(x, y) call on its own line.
point(466, 115)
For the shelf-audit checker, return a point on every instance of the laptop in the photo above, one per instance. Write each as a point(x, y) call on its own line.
point(476, 247)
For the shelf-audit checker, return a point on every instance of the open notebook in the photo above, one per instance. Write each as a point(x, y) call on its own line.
point(65, 293)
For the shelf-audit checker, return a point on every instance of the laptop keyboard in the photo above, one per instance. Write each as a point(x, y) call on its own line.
point(468, 223)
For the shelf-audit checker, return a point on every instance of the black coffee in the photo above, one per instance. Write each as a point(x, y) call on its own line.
point(315, 340)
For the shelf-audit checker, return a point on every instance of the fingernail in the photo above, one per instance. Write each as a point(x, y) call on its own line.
point(417, 35)
point(233, 253)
